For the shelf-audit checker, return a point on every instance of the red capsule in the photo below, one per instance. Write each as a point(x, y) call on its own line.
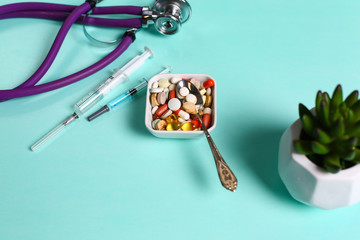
point(206, 120)
point(208, 83)
point(171, 94)
point(177, 111)
point(162, 109)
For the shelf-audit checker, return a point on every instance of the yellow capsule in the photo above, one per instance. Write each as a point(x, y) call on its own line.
point(188, 126)
point(172, 118)
point(173, 126)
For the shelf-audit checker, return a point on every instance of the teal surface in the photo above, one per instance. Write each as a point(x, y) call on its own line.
point(112, 179)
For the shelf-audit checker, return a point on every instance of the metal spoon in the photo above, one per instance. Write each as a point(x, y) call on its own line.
point(226, 176)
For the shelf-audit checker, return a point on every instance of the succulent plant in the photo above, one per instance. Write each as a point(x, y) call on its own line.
point(331, 131)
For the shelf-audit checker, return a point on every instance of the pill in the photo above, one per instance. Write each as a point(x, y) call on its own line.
point(173, 126)
point(186, 79)
point(196, 82)
point(201, 112)
point(153, 110)
point(156, 90)
point(175, 79)
point(155, 84)
point(161, 125)
point(202, 91)
point(166, 114)
point(161, 98)
point(208, 83)
point(196, 122)
point(174, 104)
point(203, 98)
point(189, 107)
point(206, 119)
point(181, 120)
point(184, 91)
point(208, 91)
point(153, 100)
point(171, 94)
point(184, 115)
point(187, 126)
point(172, 87)
point(208, 101)
point(179, 96)
point(171, 118)
point(207, 110)
point(154, 123)
point(191, 98)
point(155, 117)
point(177, 111)
point(164, 83)
point(166, 90)
point(162, 109)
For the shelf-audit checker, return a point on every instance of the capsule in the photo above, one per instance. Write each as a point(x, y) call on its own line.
point(206, 120)
point(162, 109)
point(208, 83)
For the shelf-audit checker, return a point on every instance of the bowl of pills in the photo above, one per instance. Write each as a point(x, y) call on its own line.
point(170, 109)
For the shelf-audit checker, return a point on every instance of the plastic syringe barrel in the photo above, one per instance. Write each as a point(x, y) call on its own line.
point(112, 82)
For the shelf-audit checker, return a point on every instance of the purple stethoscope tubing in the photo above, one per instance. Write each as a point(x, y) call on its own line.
point(70, 14)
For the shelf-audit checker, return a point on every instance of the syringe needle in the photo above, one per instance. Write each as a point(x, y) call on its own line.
point(54, 132)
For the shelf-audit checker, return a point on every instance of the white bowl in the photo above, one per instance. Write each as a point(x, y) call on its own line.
point(178, 134)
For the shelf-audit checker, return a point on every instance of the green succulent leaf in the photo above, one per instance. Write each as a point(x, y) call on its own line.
point(352, 98)
point(318, 100)
point(354, 130)
point(332, 163)
point(324, 113)
point(357, 156)
point(303, 110)
point(350, 117)
point(348, 155)
point(356, 109)
point(338, 128)
point(326, 98)
point(319, 148)
point(303, 147)
point(322, 136)
point(349, 143)
point(337, 97)
point(308, 125)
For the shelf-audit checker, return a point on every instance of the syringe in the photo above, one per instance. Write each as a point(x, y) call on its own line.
point(123, 97)
point(97, 94)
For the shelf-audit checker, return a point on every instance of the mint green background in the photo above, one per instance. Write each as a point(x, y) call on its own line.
point(111, 179)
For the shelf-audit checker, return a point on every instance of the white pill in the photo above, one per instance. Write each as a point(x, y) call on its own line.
point(191, 98)
point(196, 82)
point(184, 115)
point(202, 91)
point(207, 110)
point(155, 85)
point(174, 104)
point(156, 90)
point(184, 91)
point(208, 92)
point(153, 110)
point(181, 120)
point(164, 83)
point(166, 89)
point(172, 87)
point(175, 79)
point(179, 96)
point(161, 98)
point(166, 114)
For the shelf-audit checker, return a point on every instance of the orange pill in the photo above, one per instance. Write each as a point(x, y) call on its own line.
point(162, 109)
point(206, 120)
point(177, 111)
point(172, 94)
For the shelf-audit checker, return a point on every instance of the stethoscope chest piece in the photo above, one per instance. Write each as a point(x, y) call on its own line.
point(172, 13)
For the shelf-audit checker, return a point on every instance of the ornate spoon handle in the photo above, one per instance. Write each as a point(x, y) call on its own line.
point(227, 177)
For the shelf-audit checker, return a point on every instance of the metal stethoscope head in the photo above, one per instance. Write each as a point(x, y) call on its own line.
point(167, 15)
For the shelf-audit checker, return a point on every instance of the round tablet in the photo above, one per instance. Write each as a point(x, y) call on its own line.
point(174, 104)
point(184, 91)
point(191, 98)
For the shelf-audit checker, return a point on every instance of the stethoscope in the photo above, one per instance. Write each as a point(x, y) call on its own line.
point(166, 15)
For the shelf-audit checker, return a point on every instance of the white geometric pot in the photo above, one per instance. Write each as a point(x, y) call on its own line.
point(312, 185)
